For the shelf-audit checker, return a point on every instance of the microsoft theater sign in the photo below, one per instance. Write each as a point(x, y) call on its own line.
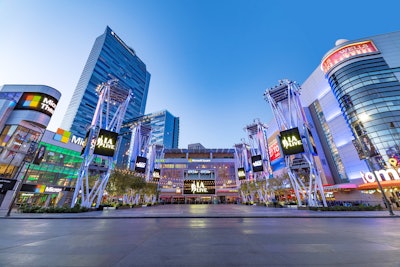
point(382, 175)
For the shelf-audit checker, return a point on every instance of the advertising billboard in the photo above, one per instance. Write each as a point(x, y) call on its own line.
point(274, 150)
point(241, 174)
point(256, 163)
point(140, 164)
point(37, 101)
point(106, 143)
point(195, 187)
point(291, 142)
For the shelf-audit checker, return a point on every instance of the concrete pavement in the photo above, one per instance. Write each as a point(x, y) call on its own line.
point(205, 211)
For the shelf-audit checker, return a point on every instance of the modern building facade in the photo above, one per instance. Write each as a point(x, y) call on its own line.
point(25, 112)
point(353, 99)
point(109, 58)
point(198, 176)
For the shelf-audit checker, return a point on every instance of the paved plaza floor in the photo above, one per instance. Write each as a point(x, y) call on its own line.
point(201, 235)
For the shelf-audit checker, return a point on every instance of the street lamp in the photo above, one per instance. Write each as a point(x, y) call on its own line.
point(366, 151)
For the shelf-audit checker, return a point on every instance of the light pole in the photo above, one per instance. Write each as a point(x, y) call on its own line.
point(366, 151)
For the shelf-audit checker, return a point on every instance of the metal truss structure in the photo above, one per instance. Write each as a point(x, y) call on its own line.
point(243, 158)
point(257, 134)
point(110, 111)
point(139, 145)
point(305, 179)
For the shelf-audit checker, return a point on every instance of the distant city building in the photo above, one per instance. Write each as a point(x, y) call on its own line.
point(164, 128)
point(195, 146)
point(110, 58)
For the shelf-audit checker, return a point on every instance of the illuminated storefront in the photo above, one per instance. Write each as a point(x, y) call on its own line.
point(25, 111)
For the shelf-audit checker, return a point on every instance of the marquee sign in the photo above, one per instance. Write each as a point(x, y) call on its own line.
point(37, 101)
point(291, 142)
point(345, 52)
point(193, 187)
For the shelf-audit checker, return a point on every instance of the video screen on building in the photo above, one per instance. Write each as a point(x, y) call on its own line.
point(241, 174)
point(37, 101)
point(106, 143)
point(199, 187)
point(274, 150)
point(140, 164)
point(291, 142)
point(257, 163)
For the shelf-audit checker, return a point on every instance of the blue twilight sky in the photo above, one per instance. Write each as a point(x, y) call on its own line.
point(210, 60)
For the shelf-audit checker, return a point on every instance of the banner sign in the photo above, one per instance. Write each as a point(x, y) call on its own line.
point(241, 174)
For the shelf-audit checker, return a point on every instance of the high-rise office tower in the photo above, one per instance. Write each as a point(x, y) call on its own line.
point(110, 58)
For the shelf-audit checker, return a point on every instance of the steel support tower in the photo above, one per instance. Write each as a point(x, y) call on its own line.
point(257, 134)
point(285, 103)
point(110, 111)
point(139, 145)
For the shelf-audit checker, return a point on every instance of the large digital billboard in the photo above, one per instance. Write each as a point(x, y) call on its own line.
point(37, 101)
point(140, 164)
point(257, 163)
point(106, 143)
point(195, 187)
point(291, 142)
point(274, 150)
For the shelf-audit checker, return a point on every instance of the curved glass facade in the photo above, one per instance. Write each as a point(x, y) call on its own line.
point(368, 93)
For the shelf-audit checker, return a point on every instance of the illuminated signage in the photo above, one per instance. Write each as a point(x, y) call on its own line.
point(140, 164)
point(346, 52)
point(274, 151)
point(199, 187)
point(241, 174)
point(257, 163)
point(37, 101)
point(51, 189)
point(77, 140)
point(156, 173)
point(199, 160)
point(106, 143)
point(387, 175)
point(291, 142)
point(62, 136)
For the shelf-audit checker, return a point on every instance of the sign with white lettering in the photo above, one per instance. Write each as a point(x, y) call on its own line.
point(37, 101)
point(193, 187)
point(387, 175)
point(106, 143)
point(156, 175)
point(140, 164)
point(346, 52)
point(291, 142)
point(257, 163)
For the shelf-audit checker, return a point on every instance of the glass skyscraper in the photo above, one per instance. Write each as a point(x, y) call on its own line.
point(109, 58)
